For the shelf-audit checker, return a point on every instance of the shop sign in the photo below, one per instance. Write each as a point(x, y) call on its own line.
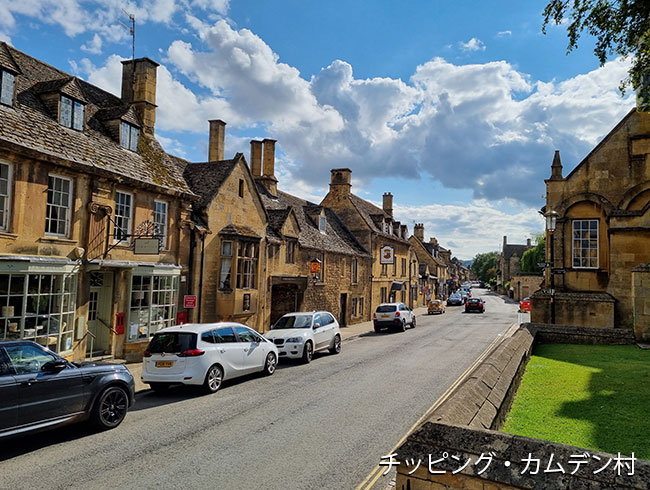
point(386, 255)
point(146, 246)
point(189, 301)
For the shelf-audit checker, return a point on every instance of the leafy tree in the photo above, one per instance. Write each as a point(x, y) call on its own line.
point(620, 26)
point(482, 265)
point(533, 256)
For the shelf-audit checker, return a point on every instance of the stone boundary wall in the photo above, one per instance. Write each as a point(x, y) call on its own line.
point(465, 425)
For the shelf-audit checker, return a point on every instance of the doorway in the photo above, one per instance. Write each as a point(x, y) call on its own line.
point(343, 311)
point(100, 302)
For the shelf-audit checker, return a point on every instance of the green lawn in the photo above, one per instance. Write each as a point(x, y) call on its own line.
point(591, 396)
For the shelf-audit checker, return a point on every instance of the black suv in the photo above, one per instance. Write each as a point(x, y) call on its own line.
point(474, 304)
point(40, 389)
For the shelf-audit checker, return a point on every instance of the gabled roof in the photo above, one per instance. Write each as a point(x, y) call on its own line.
point(6, 60)
point(124, 112)
point(238, 230)
point(373, 216)
point(509, 250)
point(337, 237)
point(206, 178)
point(29, 127)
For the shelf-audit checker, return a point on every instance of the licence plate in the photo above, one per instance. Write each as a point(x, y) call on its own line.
point(385, 316)
point(164, 363)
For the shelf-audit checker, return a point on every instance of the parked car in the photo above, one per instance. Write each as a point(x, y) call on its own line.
point(455, 299)
point(206, 354)
point(524, 305)
point(435, 306)
point(40, 390)
point(474, 304)
point(299, 335)
point(393, 315)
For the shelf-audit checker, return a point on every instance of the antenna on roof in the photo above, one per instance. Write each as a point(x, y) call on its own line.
point(131, 29)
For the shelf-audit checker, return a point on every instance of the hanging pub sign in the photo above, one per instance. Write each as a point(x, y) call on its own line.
point(386, 255)
point(315, 266)
point(146, 246)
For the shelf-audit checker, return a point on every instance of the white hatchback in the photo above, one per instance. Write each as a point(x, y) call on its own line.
point(299, 335)
point(206, 354)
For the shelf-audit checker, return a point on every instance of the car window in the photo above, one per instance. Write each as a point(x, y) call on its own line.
point(327, 318)
point(257, 338)
point(27, 359)
point(244, 334)
point(225, 335)
point(317, 321)
point(386, 308)
point(208, 337)
point(5, 368)
point(172, 342)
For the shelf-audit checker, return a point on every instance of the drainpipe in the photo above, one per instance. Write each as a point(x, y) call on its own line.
point(201, 274)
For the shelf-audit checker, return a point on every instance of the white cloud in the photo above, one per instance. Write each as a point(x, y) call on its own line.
point(504, 34)
point(473, 45)
point(93, 46)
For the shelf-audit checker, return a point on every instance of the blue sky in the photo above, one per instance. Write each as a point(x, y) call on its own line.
point(454, 107)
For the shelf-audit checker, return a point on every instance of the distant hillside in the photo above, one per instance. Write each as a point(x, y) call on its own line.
point(466, 263)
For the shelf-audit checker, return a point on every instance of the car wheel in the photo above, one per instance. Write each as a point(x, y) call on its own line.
point(270, 364)
point(377, 329)
point(413, 322)
point(402, 327)
point(213, 379)
point(336, 348)
point(159, 387)
point(110, 408)
point(307, 352)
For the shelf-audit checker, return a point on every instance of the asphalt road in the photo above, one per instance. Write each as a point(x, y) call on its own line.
point(317, 426)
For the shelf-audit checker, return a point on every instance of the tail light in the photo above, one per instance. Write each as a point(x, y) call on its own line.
point(146, 353)
point(480, 304)
point(374, 315)
point(397, 314)
point(191, 353)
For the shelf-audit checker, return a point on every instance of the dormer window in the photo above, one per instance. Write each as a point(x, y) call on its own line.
point(71, 113)
point(7, 87)
point(390, 228)
point(384, 227)
point(322, 224)
point(129, 136)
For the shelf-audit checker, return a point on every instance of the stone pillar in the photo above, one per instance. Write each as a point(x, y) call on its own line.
point(641, 302)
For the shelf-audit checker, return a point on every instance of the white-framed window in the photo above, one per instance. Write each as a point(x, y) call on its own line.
point(153, 304)
point(59, 206)
point(225, 281)
point(123, 216)
point(71, 113)
point(353, 271)
point(247, 265)
point(129, 136)
point(7, 85)
point(160, 217)
point(5, 196)
point(322, 224)
point(585, 243)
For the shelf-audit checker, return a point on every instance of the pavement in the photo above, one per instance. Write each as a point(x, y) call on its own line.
point(347, 333)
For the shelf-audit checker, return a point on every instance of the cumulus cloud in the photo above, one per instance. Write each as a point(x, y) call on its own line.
point(504, 34)
point(93, 46)
point(473, 45)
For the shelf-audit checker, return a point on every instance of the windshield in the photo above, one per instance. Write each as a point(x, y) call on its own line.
point(293, 321)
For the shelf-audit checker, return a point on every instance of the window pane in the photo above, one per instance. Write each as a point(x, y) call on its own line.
point(78, 121)
point(66, 112)
point(135, 136)
point(7, 88)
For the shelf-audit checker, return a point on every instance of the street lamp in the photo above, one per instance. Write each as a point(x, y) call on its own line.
point(551, 223)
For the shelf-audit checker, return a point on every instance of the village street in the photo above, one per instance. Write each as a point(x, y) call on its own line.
point(322, 425)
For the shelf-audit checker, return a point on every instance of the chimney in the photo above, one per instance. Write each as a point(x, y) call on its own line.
point(556, 167)
point(418, 231)
point(139, 90)
point(505, 241)
point(340, 182)
point(256, 158)
point(528, 243)
point(388, 204)
point(216, 142)
point(268, 171)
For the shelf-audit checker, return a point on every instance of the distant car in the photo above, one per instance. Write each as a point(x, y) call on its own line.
point(299, 335)
point(393, 315)
point(524, 305)
point(435, 306)
point(455, 299)
point(474, 304)
point(206, 354)
point(41, 390)
point(465, 294)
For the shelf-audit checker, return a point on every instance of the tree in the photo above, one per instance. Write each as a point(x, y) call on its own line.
point(620, 26)
point(535, 255)
point(484, 265)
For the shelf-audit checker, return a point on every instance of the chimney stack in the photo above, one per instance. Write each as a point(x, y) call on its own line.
point(340, 182)
point(268, 169)
point(216, 142)
point(256, 158)
point(505, 241)
point(556, 167)
point(139, 90)
point(388, 204)
point(528, 243)
point(418, 231)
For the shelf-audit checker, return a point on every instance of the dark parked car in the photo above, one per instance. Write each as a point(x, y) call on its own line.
point(40, 390)
point(474, 304)
point(455, 299)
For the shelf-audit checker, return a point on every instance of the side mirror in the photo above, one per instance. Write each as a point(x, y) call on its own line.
point(317, 325)
point(54, 366)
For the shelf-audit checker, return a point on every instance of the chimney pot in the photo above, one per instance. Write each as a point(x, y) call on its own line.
point(216, 140)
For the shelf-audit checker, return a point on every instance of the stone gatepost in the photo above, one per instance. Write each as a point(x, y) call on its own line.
point(641, 302)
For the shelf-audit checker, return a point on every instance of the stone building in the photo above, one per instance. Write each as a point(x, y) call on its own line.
point(300, 232)
point(433, 270)
point(602, 238)
point(85, 191)
point(230, 225)
point(509, 263)
point(377, 231)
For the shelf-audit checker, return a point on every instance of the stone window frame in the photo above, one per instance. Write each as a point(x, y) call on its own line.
point(7, 85)
point(290, 252)
point(354, 307)
point(5, 196)
point(354, 270)
point(129, 136)
point(361, 306)
point(77, 113)
point(240, 191)
point(578, 254)
point(247, 262)
point(53, 207)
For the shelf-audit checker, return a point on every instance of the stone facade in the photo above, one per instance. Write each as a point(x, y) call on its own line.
point(524, 286)
point(436, 273)
point(509, 264)
point(603, 223)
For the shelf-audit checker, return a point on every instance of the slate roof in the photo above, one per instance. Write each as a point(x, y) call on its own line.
point(206, 178)
point(238, 230)
point(28, 124)
point(509, 250)
point(373, 216)
point(337, 237)
point(430, 247)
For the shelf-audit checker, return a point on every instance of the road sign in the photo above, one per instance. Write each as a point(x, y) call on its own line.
point(543, 265)
point(189, 301)
point(558, 271)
